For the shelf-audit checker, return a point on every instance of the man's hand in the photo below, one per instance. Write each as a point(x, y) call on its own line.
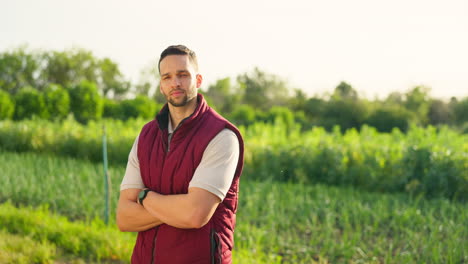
point(131, 216)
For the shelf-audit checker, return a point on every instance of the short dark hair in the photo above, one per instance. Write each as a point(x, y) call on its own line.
point(179, 50)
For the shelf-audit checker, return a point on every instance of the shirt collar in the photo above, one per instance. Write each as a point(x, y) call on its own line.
point(170, 129)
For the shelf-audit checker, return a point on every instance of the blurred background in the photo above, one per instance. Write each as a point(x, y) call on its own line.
point(354, 115)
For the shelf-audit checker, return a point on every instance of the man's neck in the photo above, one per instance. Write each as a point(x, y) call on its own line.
point(177, 114)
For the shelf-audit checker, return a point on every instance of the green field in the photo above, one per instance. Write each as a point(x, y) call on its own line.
point(425, 161)
point(277, 222)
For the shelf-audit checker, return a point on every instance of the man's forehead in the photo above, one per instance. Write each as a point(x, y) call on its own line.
point(176, 63)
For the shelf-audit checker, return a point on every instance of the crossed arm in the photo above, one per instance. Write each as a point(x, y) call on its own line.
point(191, 210)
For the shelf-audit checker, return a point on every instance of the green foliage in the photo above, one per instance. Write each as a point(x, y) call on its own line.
point(345, 91)
point(417, 101)
point(223, 95)
point(92, 242)
point(262, 90)
point(243, 115)
point(86, 103)
point(141, 106)
point(19, 68)
point(29, 102)
point(382, 162)
point(345, 225)
point(112, 109)
point(16, 249)
point(439, 113)
point(7, 106)
point(344, 112)
point(57, 101)
point(111, 81)
point(281, 114)
point(386, 118)
point(460, 110)
point(38, 69)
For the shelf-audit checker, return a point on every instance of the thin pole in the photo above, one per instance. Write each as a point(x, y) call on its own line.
point(106, 175)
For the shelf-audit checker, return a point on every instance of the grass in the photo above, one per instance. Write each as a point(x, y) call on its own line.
point(276, 222)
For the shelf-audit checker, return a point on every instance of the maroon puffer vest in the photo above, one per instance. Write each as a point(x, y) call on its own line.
point(168, 169)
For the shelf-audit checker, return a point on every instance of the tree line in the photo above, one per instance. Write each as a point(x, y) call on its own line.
point(56, 84)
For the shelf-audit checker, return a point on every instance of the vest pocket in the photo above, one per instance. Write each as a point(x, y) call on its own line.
point(215, 247)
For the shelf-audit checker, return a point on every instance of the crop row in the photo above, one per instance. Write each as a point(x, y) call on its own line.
point(276, 222)
point(424, 161)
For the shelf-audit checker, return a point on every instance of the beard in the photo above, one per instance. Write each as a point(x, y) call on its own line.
point(181, 101)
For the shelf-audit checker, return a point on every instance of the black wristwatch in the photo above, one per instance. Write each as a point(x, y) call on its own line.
point(142, 195)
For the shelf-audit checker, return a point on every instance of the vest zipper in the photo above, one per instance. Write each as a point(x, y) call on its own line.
point(169, 137)
point(154, 246)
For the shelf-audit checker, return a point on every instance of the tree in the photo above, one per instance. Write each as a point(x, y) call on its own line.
point(19, 68)
point(314, 109)
point(243, 115)
point(262, 90)
point(224, 95)
point(112, 109)
point(439, 112)
point(460, 110)
point(345, 91)
point(345, 113)
point(7, 106)
point(29, 103)
point(394, 98)
point(298, 101)
point(71, 67)
point(148, 83)
point(57, 101)
point(141, 106)
point(385, 118)
point(417, 101)
point(86, 103)
point(282, 114)
point(110, 80)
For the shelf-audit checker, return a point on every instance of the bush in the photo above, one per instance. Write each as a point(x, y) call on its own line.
point(29, 103)
point(7, 106)
point(387, 118)
point(112, 109)
point(141, 106)
point(57, 101)
point(280, 114)
point(460, 110)
point(243, 115)
point(344, 112)
point(86, 103)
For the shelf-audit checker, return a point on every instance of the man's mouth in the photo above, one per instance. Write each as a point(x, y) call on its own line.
point(177, 93)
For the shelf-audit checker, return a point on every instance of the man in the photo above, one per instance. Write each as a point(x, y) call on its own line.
point(181, 184)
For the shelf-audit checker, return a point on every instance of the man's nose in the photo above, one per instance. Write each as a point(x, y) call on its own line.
point(176, 82)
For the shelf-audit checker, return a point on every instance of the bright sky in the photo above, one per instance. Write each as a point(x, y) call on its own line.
point(376, 46)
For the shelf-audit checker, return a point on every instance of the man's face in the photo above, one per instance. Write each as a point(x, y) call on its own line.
point(179, 81)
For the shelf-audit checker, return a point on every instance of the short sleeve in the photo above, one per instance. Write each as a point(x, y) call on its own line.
point(132, 177)
point(218, 164)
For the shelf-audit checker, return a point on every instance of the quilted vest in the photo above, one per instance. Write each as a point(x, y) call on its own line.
point(167, 168)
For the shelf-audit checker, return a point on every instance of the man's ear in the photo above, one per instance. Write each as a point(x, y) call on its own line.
point(199, 80)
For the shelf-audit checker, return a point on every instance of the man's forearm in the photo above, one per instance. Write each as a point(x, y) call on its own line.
point(191, 210)
point(132, 217)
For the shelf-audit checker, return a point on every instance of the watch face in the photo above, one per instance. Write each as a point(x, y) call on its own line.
point(142, 194)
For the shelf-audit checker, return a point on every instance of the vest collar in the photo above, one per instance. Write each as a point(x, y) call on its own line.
point(163, 116)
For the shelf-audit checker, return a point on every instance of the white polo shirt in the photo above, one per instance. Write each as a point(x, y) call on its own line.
point(214, 173)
